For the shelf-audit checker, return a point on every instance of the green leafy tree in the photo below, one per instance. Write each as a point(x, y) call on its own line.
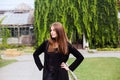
point(97, 19)
point(4, 32)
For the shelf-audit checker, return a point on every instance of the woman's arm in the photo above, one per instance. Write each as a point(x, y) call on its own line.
point(77, 54)
point(36, 54)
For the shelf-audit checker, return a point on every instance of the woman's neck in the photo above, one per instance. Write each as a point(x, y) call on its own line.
point(55, 45)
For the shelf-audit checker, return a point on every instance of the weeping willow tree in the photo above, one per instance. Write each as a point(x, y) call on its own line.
point(107, 23)
point(95, 18)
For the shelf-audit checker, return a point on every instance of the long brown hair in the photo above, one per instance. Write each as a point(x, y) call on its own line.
point(61, 39)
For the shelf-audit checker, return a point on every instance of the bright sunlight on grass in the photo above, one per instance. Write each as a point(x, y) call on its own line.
point(98, 69)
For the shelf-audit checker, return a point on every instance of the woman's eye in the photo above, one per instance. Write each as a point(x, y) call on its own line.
point(53, 30)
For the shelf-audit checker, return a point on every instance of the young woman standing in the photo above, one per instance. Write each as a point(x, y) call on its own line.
point(56, 53)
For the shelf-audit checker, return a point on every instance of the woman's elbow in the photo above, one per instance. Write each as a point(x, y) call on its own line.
point(35, 55)
point(81, 58)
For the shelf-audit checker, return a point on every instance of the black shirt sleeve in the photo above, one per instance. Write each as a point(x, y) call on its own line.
point(77, 55)
point(37, 52)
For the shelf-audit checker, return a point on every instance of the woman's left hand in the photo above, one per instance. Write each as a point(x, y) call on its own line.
point(63, 65)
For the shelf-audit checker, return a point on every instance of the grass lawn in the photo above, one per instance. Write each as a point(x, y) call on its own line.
point(6, 62)
point(98, 69)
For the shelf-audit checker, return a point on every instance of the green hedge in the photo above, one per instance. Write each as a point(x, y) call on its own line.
point(6, 46)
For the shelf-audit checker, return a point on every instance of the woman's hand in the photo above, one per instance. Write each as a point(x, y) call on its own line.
point(63, 65)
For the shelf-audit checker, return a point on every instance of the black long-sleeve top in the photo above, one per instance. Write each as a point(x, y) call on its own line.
point(56, 59)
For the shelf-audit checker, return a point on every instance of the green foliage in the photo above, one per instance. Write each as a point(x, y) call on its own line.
point(108, 23)
point(1, 19)
point(4, 34)
point(10, 46)
point(97, 19)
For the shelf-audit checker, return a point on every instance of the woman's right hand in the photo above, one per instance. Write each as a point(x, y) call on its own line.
point(63, 65)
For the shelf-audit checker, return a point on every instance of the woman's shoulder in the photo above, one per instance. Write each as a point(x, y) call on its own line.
point(44, 42)
point(69, 44)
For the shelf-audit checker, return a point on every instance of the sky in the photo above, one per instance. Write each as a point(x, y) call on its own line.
point(11, 4)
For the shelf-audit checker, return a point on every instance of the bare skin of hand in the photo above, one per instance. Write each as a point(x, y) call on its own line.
point(63, 65)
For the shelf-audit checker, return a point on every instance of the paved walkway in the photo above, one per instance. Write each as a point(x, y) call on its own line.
point(25, 68)
point(100, 53)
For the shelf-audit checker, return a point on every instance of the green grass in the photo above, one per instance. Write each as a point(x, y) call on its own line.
point(98, 69)
point(6, 62)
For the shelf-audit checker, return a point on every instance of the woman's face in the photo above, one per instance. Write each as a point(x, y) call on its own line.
point(53, 32)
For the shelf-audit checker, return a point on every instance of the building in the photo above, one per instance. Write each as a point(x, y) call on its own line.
point(20, 24)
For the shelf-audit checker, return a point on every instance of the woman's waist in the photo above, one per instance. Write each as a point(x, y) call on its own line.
point(53, 67)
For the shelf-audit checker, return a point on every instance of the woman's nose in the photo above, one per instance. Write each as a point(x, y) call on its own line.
point(51, 31)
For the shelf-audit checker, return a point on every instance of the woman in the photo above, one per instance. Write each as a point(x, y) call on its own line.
point(56, 53)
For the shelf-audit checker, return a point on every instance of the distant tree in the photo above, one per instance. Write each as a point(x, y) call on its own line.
point(4, 32)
